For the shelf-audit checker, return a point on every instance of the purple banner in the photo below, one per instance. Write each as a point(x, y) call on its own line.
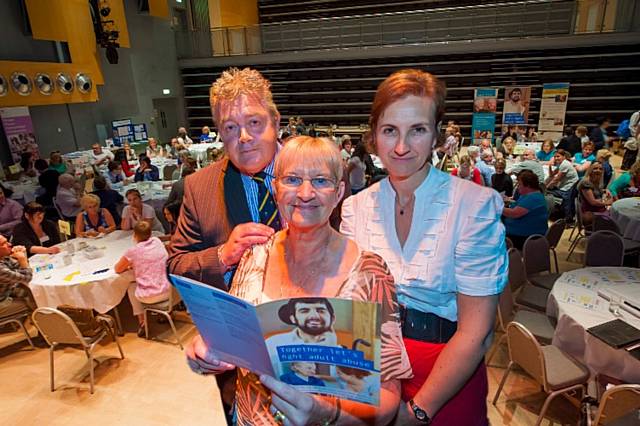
point(18, 129)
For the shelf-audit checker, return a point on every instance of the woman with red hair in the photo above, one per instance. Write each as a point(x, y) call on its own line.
point(445, 245)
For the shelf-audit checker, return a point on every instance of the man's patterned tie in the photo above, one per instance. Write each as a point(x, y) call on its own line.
point(267, 206)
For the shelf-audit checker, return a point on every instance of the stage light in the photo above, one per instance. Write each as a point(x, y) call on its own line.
point(65, 83)
point(21, 83)
point(4, 86)
point(84, 83)
point(44, 84)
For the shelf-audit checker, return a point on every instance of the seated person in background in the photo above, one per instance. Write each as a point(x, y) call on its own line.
point(356, 169)
point(562, 177)
point(93, 220)
point(581, 133)
point(120, 157)
point(57, 163)
point(570, 141)
point(184, 161)
point(467, 171)
point(592, 193)
point(148, 259)
point(474, 153)
point(154, 149)
point(500, 181)
point(48, 181)
point(10, 211)
point(41, 166)
point(173, 149)
point(302, 373)
point(129, 152)
point(528, 215)
point(346, 148)
point(183, 137)
point(545, 155)
point(27, 164)
point(627, 184)
point(486, 167)
point(177, 189)
point(582, 160)
point(35, 233)
point(529, 162)
point(207, 135)
point(147, 171)
point(507, 149)
point(15, 275)
point(115, 173)
point(171, 213)
point(67, 196)
point(99, 157)
point(602, 157)
point(109, 199)
point(137, 211)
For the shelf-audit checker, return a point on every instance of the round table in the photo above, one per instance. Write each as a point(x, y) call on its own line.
point(25, 190)
point(626, 213)
point(577, 302)
point(84, 283)
point(199, 150)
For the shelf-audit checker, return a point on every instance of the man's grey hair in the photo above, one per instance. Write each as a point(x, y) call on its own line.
point(473, 150)
point(486, 153)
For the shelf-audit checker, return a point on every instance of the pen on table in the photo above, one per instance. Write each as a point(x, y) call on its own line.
point(99, 271)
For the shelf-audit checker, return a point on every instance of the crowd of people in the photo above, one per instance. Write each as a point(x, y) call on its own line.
point(259, 223)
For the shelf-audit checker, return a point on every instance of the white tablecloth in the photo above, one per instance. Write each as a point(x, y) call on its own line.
point(575, 302)
point(77, 284)
point(199, 150)
point(626, 213)
point(24, 190)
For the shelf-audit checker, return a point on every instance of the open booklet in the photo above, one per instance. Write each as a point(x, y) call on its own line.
point(320, 345)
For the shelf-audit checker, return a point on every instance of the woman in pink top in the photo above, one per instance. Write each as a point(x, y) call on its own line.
point(148, 259)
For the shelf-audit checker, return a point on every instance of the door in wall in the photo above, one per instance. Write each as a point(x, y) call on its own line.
point(166, 118)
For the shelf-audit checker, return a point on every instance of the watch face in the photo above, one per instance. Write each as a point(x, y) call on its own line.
point(420, 414)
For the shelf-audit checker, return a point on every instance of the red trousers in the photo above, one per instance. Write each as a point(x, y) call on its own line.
point(466, 408)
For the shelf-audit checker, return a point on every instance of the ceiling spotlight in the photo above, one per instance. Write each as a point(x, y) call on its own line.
point(83, 82)
point(21, 83)
point(65, 83)
point(4, 87)
point(44, 83)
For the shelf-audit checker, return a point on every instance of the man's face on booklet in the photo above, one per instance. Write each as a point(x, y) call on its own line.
point(312, 318)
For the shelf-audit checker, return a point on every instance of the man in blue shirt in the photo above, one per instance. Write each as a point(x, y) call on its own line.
point(485, 165)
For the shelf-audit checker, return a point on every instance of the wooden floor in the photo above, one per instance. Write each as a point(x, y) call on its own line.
point(154, 386)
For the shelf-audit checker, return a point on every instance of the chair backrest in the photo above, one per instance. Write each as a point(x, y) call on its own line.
point(617, 402)
point(56, 327)
point(505, 308)
point(517, 276)
point(554, 233)
point(174, 297)
point(535, 253)
point(604, 248)
point(509, 243)
point(605, 223)
point(55, 204)
point(167, 171)
point(525, 351)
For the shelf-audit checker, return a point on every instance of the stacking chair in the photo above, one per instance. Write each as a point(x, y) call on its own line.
point(604, 248)
point(582, 231)
point(167, 171)
point(16, 313)
point(538, 323)
point(527, 295)
point(605, 223)
point(164, 308)
point(618, 405)
point(554, 234)
point(58, 329)
point(509, 243)
point(537, 262)
point(554, 370)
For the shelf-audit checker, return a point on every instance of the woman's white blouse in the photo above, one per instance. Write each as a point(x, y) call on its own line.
point(456, 243)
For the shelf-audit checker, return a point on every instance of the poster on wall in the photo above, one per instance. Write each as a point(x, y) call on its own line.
point(483, 122)
point(516, 105)
point(553, 109)
point(18, 128)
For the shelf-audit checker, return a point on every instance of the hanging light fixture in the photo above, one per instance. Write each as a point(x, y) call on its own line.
point(21, 83)
point(44, 83)
point(4, 86)
point(65, 83)
point(84, 83)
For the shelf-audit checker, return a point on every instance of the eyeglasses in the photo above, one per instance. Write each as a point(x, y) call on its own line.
point(319, 183)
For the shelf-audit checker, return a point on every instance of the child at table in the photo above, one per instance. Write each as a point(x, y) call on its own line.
point(148, 259)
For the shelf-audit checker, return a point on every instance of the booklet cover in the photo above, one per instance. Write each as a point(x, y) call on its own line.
point(320, 345)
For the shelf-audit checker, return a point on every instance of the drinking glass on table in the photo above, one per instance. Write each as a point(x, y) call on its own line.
point(614, 305)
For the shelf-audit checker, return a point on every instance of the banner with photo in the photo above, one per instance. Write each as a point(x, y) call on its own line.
point(18, 128)
point(515, 109)
point(483, 123)
point(553, 109)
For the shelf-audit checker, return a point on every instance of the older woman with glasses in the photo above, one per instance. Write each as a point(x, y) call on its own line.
point(310, 259)
point(445, 245)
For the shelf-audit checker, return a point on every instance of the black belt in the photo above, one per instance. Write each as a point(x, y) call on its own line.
point(426, 327)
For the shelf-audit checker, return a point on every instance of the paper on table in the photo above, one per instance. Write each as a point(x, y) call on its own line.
point(585, 299)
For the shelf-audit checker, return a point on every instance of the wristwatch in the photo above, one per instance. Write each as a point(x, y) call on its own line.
point(420, 414)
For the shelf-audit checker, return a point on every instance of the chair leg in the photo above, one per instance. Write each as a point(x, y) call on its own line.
point(573, 229)
point(115, 339)
point(24, 330)
point(545, 406)
point(574, 245)
point(495, 349)
point(502, 382)
point(146, 325)
point(116, 314)
point(555, 259)
point(90, 357)
point(51, 349)
point(175, 332)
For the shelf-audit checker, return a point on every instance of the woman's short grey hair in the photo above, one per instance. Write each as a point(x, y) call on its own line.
point(312, 153)
point(66, 180)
